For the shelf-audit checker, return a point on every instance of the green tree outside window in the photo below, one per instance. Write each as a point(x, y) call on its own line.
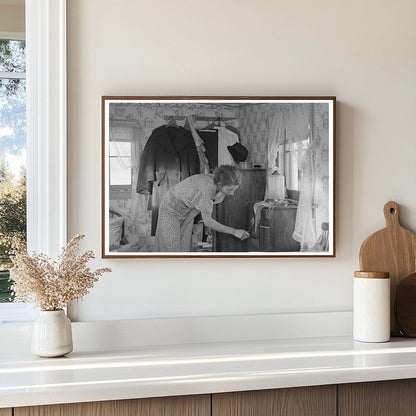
point(12, 155)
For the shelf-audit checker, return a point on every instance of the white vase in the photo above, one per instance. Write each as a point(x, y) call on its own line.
point(52, 334)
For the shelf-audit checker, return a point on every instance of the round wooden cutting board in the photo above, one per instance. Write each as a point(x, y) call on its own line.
point(393, 250)
point(405, 306)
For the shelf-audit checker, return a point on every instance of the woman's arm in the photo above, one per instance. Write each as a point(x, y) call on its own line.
point(217, 226)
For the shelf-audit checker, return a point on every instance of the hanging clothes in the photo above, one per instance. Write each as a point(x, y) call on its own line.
point(200, 148)
point(169, 156)
point(232, 128)
point(210, 139)
point(225, 138)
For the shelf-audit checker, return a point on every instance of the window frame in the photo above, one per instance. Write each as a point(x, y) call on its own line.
point(46, 121)
point(7, 312)
point(46, 125)
point(286, 162)
point(123, 192)
point(123, 185)
point(13, 36)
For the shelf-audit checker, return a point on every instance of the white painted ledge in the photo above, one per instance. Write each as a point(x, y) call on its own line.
point(169, 370)
point(177, 356)
point(123, 334)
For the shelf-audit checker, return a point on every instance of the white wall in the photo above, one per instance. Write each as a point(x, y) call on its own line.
point(361, 51)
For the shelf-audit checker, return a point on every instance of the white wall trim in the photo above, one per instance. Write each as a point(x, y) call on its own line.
point(13, 75)
point(11, 313)
point(46, 125)
point(12, 35)
point(124, 334)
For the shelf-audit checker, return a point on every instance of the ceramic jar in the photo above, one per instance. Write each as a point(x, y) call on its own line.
point(371, 306)
point(52, 334)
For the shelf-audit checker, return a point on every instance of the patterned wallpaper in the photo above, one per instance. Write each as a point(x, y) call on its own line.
point(150, 116)
point(254, 129)
point(251, 120)
point(254, 120)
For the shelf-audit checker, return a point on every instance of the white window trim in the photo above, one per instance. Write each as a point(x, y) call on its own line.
point(46, 133)
point(46, 125)
point(12, 35)
point(13, 75)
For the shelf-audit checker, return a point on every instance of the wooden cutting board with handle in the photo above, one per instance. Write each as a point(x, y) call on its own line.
point(393, 250)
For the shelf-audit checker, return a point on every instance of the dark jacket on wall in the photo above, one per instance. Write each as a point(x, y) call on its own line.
point(169, 157)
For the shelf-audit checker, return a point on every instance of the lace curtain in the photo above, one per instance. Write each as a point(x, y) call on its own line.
point(305, 230)
point(290, 124)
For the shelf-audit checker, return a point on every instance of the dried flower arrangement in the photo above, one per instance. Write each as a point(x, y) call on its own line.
point(53, 285)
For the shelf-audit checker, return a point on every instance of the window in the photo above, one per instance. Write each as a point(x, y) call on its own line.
point(46, 135)
point(120, 163)
point(121, 152)
point(289, 158)
point(12, 155)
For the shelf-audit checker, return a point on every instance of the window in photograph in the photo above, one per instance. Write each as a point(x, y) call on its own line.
point(120, 163)
point(121, 159)
point(290, 159)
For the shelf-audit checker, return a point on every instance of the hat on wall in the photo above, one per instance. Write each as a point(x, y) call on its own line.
point(238, 152)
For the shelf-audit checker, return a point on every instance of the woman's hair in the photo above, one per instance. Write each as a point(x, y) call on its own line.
point(227, 175)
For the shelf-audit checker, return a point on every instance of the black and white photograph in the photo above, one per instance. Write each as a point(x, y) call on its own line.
point(218, 176)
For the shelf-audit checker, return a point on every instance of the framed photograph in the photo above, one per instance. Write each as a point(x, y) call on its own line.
point(218, 177)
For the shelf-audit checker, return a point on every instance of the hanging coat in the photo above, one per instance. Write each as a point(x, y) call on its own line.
point(168, 157)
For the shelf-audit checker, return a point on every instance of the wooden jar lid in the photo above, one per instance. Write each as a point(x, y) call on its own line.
point(372, 275)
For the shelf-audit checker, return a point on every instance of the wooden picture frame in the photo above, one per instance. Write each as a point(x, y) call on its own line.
point(277, 201)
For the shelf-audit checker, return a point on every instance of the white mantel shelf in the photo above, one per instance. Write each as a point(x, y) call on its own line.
point(151, 371)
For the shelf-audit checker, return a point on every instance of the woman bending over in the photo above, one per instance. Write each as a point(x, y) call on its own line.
point(183, 202)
